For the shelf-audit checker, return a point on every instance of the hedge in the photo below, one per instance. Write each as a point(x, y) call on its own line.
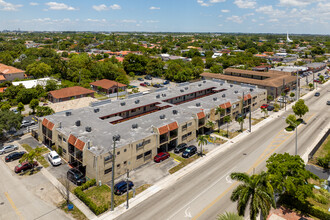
point(78, 191)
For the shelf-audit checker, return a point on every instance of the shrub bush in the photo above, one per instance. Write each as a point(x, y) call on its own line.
point(321, 199)
point(325, 193)
point(323, 162)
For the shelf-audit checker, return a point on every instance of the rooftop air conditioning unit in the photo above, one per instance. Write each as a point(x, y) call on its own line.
point(88, 129)
point(204, 81)
point(158, 96)
point(198, 104)
point(123, 103)
point(68, 113)
point(223, 95)
point(96, 110)
point(236, 91)
point(251, 90)
point(137, 101)
point(162, 116)
point(221, 84)
point(215, 99)
point(199, 85)
point(164, 95)
point(78, 123)
point(231, 85)
point(181, 90)
point(175, 112)
point(186, 88)
point(134, 126)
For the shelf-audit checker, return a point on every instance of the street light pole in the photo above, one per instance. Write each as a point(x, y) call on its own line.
point(127, 182)
point(114, 138)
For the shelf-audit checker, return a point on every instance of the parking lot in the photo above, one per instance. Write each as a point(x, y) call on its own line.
point(11, 165)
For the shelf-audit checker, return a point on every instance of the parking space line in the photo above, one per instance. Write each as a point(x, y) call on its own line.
point(13, 205)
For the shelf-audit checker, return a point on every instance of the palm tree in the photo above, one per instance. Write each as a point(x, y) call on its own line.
point(229, 216)
point(220, 111)
point(240, 120)
point(255, 191)
point(264, 110)
point(31, 155)
point(202, 140)
point(210, 124)
point(227, 120)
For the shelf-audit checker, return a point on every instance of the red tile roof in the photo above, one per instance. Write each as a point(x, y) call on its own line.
point(80, 145)
point(72, 139)
point(50, 126)
point(173, 126)
point(45, 122)
point(69, 92)
point(3, 88)
point(163, 130)
point(4, 69)
point(200, 115)
point(2, 77)
point(107, 84)
point(228, 104)
point(248, 96)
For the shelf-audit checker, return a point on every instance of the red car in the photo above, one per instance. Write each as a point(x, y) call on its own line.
point(25, 166)
point(143, 84)
point(264, 106)
point(161, 156)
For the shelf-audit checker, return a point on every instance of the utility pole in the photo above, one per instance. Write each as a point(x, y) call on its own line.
point(314, 81)
point(250, 128)
point(297, 86)
point(114, 138)
point(127, 181)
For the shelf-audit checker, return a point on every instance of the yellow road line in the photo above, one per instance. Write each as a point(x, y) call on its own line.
point(13, 205)
point(176, 160)
point(260, 159)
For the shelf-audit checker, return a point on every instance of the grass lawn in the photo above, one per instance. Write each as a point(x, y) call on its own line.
point(322, 151)
point(27, 147)
point(291, 128)
point(100, 96)
point(75, 212)
point(184, 162)
point(256, 120)
point(223, 133)
point(40, 159)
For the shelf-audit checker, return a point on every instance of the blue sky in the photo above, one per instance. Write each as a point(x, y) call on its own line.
point(253, 16)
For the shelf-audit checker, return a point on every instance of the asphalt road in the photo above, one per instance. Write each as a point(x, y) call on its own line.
point(204, 193)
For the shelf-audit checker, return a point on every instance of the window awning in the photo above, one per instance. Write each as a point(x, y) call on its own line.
point(200, 115)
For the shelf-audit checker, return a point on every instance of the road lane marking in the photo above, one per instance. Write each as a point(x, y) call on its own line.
point(13, 205)
point(260, 159)
point(187, 214)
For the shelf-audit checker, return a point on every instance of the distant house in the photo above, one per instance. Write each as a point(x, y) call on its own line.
point(69, 93)
point(108, 86)
point(9, 73)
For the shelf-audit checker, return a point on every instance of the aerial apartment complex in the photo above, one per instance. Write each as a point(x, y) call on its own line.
point(275, 82)
point(147, 124)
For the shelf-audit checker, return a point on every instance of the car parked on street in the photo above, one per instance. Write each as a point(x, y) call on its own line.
point(161, 156)
point(27, 123)
point(121, 187)
point(8, 148)
point(157, 85)
point(264, 106)
point(148, 77)
point(180, 148)
point(54, 158)
point(166, 82)
point(148, 84)
point(317, 94)
point(76, 176)
point(191, 150)
point(140, 79)
point(328, 102)
point(25, 166)
point(143, 84)
point(270, 108)
point(14, 156)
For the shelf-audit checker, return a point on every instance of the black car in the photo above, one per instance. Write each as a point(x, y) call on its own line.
point(270, 108)
point(148, 84)
point(180, 148)
point(121, 187)
point(148, 77)
point(191, 150)
point(156, 85)
point(317, 94)
point(14, 156)
point(140, 79)
point(76, 176)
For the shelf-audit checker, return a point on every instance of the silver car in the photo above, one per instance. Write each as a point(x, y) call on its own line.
point(8, 148)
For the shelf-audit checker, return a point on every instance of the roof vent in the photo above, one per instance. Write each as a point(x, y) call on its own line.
point(231, 85)
point(236, 91)
point(251, 90)
point(198, 104)
point(88, 129)
point(186, 88)
point(199, 85)
point(175, 112)
point(223, 95)
point(162, 116)
point(78, 123)
point(123, 103)
point(181, 90)
point(137, 101)
point(134, 126)
point(164, 95)
point(204, 81)
point(158, 96)
point(221, 84)
point(215, 99)
point(96, 110)
point(68, 113)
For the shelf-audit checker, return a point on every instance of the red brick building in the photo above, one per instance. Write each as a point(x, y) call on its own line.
point(69, 93)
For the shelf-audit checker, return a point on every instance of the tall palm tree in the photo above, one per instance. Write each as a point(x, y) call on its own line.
point(219, 111)
point(255, 191)
point(227, 120)
point(202, 140)
point(210, 124)
point(240, 120)
point(265, 111)
point(229, 216)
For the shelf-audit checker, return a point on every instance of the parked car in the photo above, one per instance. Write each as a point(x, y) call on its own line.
point(180, 148)
point(161, 156)
point(54, 158)
point(166, 82)
point(14, 156)
point(140, 79)
point(328, 102)
point(148, 77)
point(15, 111)
point(143, 84)
point(8, 148)
point(270, 108)
point(148, 84)
point(316, 80)
point(191, 150)
point(76, 176)
point(282, 100)
point(156, 85)
point(317, 94)
point(26, 123)
point(121, 187)
point(25, 166)
point(264, 106)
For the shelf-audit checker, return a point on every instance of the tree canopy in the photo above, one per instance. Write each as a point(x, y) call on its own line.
point(300, 108)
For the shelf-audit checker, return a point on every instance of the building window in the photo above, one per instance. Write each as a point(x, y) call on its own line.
point(125, 163)
point(107, 159)
point(139, 156)
point(64, 151)
point(118, 152)
point(108, 170)
point(189, 124)
point(59, 137)
point(133, 110)
point(147, 153)
point(125, 150)
point(146, 142)
point(118, 166)
point(139, 146)
point(184, 127)
point(64, 140)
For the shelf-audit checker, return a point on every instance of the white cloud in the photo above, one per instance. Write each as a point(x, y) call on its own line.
point(128, 21)
point(34, 3)
point(220, 25)
point(245, 3)
point(5, 6)
point(270, 11)
point(152, 21)
point(59, 6)
point(154, 8)
point(297, 3)
point(96, 20)
point(261, 24)
point(273, 20)
point(102, 7)
point(225, 10)
point(236, 19)
point(217, 1)
point(209, 3)
point(254, 20)
point(202, 3)
point(115, 7)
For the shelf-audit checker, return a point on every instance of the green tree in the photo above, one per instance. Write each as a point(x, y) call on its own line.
point(20, 107)
point(292, 94)
point(202, 140)
point(197, 61)
point(216, 68)
point(9, 120)
point(291, 120)
point(33, 104)
point(210, 124)
point(270, 98)
point(288, 176)
point(254, 191)
point(32, 155)
point(321, 78)
point(229, 216)
point(155, 67)
point(311, 86)
point(240, 121)
point(44, 110)
point(227, 120)
point(38, 69)
point(300, 108)
point(219, 111)
point(51, 85)
point(26, 95)
point(135, 63)
point(264, 110)
point(5, 107)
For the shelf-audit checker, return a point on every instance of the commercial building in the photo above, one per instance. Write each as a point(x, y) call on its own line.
point(69, 93)
point(315, 67)
point(108, 86)
point(34, 82)
point(9, 73)
point(275, 82)
point(147, 124)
